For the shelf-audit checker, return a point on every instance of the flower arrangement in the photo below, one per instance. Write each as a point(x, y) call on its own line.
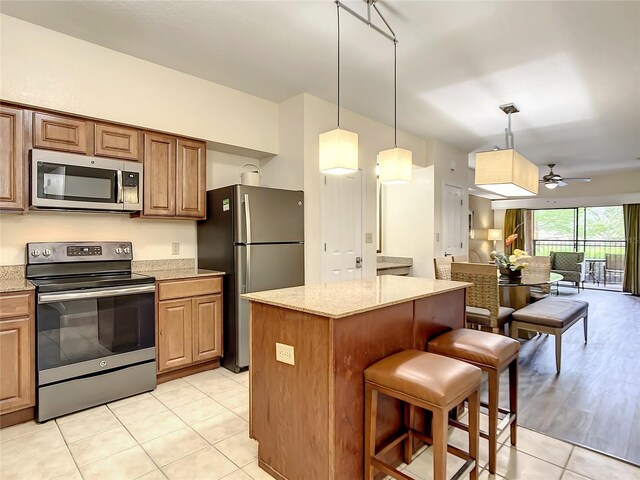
point(514, 263)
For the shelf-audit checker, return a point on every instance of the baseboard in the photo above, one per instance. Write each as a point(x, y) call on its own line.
point(20, 416)
point(186, 371)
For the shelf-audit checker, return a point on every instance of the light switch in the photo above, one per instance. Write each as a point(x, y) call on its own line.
point(368, 238)
point(175, 248)
point(284, 353)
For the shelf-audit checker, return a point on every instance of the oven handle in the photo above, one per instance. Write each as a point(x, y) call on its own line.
point(94, 293)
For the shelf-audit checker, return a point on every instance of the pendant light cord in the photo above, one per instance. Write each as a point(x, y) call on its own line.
point(395, 94)
point(338, 11)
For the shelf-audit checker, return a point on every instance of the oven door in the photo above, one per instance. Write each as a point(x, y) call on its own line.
point(85, 332)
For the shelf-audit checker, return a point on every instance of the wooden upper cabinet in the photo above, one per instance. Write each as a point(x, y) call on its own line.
point(55, 132)
point(159, 175)
point(12, 159)
point(191, 171)
point(207, 327)
point(118, 142)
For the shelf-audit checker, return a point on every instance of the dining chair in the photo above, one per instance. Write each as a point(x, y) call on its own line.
point(483, 299)
point(539, 265)
point(613, 264)
point(442, 268)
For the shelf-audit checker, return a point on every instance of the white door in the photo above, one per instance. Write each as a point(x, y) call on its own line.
point(452, 220)
point(342, 227)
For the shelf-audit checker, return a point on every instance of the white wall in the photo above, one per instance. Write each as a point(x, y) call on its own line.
point(51, 70)
point(151, 238)
point(451, 168)
point(483, 221)
point(224, 168)
point(319, 117)
point(408, 216)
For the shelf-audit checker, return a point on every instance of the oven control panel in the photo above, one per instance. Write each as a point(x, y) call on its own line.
point(66, 252)
point(77, 251)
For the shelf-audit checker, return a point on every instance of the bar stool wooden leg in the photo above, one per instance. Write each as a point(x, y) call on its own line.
point(494, 394)
point(513, 399)
point(474, 430)
point(370, 415)
point(439, 429)
point(409, 413)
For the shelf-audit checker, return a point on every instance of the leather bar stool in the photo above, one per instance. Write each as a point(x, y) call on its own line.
point(492, 353)
point(428, 381)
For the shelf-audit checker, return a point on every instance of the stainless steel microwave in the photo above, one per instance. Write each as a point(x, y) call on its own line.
point(78, 182)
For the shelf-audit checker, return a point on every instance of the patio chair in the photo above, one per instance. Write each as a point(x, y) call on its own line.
point(483, 299)
point(540, 265)
point(442, 268)
point(571, 265)
point(613, 265)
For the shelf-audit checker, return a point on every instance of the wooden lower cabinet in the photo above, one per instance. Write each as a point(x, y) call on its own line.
point(17, 354)
point(189, 329)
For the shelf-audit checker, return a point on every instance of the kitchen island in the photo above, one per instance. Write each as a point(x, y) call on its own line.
point(308, 415)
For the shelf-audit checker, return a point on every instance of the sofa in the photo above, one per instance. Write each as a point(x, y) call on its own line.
point(571, 265)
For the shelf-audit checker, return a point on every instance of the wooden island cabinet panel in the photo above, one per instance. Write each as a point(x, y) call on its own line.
point(12, 159)
point(159, 175)
point(17, 357)
point(55, 132)
point(189, 323)
point(118, 142)
point(308, 418)
point(190, 175)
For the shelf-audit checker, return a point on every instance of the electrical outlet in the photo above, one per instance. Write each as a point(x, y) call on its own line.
point(284, 353)
point(368, 238)
point(175, 248)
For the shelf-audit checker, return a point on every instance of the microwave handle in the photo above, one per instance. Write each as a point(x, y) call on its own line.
point(119, 187)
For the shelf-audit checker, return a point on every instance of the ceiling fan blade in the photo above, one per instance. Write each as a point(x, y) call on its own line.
point(577, 179)
point(561, 183)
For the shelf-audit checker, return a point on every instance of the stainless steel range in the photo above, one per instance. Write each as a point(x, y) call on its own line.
point(95, 324)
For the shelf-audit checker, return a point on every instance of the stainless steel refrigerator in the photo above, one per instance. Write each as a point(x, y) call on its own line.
point(256, 236)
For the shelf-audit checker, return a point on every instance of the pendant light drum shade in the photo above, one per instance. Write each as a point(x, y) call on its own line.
point(338, 152)
point(395, 165)
point(506, 172)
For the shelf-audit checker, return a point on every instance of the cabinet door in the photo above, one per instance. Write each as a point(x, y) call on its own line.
point(17, 389)
point(59, 133)
point(174, 334)
point(12, 163)
point(207, 327)
point(191, 181)
point(159, 175)
point(117, 142)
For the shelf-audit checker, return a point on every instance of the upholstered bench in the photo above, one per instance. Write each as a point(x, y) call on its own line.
point(551, 315)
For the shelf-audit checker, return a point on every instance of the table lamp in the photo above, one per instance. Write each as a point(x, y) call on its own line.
point(494, 234)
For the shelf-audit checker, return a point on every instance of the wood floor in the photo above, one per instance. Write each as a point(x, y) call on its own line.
point(595, 400)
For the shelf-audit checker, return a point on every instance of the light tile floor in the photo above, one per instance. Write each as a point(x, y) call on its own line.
point(196, 428)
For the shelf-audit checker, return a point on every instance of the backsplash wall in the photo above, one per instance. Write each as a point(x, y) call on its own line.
point(151, 239)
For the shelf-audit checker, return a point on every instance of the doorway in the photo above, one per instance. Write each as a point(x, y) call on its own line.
point(453, 225)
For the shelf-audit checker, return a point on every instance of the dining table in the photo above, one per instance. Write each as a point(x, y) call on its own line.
point(515, 291)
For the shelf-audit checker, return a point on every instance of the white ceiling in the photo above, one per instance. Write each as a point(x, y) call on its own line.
point(573, 68)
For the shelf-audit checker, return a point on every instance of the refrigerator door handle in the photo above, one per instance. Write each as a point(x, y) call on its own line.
point(247, 216)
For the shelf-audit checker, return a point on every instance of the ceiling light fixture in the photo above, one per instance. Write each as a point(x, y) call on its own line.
point(507, 172)
point(395, 163)
point(338, 147)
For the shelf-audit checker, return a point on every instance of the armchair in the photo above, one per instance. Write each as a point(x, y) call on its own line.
point(571, 265)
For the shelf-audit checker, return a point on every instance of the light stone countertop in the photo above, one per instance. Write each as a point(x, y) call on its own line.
point(15, 284)
point(180, 273)
point(341, 299)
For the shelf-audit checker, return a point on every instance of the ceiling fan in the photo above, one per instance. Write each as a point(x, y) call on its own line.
point(552, 180)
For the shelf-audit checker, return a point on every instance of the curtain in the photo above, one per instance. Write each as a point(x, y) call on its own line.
point(514, 223)
point(631, 282)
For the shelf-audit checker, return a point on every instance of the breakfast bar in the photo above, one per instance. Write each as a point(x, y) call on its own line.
point(307, 392)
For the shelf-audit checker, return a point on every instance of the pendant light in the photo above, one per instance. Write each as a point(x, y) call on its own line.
point(338, 147)
point(395, 163)
point(507, 172)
